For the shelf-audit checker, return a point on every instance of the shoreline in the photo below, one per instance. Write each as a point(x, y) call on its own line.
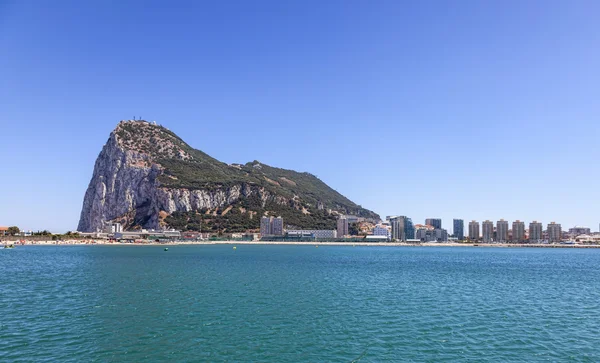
point(292, 243)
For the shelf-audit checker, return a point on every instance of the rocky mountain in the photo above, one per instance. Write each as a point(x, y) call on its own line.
point(148, 177)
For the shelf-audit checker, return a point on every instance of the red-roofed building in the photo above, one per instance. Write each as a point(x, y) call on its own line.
point(3, 231)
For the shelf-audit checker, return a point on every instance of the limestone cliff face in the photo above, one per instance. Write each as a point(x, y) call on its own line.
point(125, 188)
point(123, 181)
point(145, 173)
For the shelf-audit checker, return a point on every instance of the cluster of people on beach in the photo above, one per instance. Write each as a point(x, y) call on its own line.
point(7, 244)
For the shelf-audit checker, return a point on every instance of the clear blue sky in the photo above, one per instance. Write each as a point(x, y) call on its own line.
point(450, 109)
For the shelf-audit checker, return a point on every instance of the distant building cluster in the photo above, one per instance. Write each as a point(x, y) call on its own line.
point(400, 228)
point(115, 231)
point(397, 228)
point(520, 233)
point(403, 230)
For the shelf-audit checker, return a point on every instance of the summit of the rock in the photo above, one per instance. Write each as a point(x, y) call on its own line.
point(151, 139)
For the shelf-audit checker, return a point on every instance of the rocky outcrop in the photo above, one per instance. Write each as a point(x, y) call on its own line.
point(126, 183)
point(125, 188)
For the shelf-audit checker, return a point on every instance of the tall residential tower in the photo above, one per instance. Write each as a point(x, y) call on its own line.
point(342, 227)
point(518, 231)
point(402, 228)
point(535, 232)
point(474, 230)
point(502, 231)
point(487, 231)
point(459, 229)
point(554, 232)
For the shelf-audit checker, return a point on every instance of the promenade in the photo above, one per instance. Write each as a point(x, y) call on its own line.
point(91, 242)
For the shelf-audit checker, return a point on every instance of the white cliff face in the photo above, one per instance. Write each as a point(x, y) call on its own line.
point(125, 188)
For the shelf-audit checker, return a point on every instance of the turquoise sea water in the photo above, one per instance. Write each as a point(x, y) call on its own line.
point(299, 304)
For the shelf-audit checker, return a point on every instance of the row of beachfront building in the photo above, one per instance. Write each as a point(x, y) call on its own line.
point(518, 233)
point(402, 229)
point(394, 228)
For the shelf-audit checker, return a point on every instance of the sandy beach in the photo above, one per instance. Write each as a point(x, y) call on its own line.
point(99, 242)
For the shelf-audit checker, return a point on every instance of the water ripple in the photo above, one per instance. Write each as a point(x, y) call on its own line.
point(299, 304)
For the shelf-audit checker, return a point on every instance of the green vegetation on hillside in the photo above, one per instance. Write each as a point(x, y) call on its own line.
point(237, 221)
point(202, 174)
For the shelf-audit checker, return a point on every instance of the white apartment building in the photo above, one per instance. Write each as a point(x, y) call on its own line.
point(382, 230)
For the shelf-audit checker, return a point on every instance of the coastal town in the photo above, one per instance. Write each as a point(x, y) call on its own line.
point(396, 230)
point(402, 229)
